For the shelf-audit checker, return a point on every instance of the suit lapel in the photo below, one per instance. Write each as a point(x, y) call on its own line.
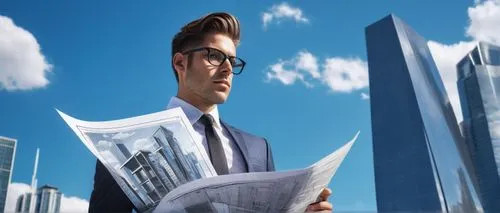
point(240, 142)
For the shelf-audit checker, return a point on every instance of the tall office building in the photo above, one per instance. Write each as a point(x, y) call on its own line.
point(23, 203)
point(187, 164)
point(7, 156)
point(479, 89)
point(417, 162)
point(47, 200)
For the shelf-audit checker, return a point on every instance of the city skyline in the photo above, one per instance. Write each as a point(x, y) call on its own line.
point(20, 197)
point(104, 61)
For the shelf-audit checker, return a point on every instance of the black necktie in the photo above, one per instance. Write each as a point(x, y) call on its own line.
point(216, 151)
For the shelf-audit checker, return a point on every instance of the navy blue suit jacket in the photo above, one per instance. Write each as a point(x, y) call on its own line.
point(107, 196)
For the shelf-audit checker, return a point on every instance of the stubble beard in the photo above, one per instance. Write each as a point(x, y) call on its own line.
point(207, 93)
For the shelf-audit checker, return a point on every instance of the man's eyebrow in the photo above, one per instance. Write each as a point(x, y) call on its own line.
point(228, 54)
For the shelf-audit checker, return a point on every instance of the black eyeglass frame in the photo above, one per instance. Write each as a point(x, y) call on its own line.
point(226, 57)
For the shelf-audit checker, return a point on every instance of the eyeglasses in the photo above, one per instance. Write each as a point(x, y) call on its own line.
point(216, 57)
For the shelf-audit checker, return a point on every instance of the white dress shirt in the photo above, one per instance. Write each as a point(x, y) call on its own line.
point(235, 162)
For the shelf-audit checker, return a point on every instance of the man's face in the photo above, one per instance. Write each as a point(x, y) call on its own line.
point(206, 82)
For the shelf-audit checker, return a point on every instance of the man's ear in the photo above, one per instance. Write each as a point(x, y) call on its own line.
point(178, 62)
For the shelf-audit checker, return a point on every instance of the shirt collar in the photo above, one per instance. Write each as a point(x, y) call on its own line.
point(192, 113)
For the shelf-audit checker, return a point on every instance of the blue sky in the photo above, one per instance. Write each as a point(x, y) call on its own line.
point(304, 87)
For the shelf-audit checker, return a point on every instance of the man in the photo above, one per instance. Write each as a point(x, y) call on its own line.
point(204, 63)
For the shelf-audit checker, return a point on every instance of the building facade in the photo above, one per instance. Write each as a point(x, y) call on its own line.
point(7, 156)
point(478, 85)
point(47, 200)
point(417, 162)
point(23, 203)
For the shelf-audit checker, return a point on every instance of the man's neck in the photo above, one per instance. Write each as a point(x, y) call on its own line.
point(197, 102)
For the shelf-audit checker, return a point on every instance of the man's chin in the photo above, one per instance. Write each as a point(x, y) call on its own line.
point(219, 98)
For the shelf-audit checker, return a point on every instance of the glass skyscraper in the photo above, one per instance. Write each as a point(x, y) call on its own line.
point(479, 88)
point(417, 162)
point(47, 200)
point(7, 156)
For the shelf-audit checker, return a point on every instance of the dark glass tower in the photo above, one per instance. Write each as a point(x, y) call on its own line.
point(479, 88)
point(418, 164)
point(7, 156)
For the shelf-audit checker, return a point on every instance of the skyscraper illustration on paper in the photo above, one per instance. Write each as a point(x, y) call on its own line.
point(188, 165)
point(158, 169)
point(478, 84)
point(418, 160)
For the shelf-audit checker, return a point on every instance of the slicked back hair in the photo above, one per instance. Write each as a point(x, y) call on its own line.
point(194, 33)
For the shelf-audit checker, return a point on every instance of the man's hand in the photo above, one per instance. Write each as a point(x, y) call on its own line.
point(323, 204)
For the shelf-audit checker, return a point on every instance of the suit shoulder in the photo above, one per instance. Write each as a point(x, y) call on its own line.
point(246, 134)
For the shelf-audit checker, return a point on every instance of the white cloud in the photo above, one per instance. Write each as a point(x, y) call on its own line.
point(74, 204)
point(308, 62)
point(15, 190)
point(122, 135)
point(494, 126)
point(280, 12)
point(496, 150)
point(68, 204)
point(485, 21)
point(446, 58)
point(103, 144)
point(143, 144)
point(345, 74)
point(364, 96)
point(22, 65)
point(340, 74)
point(290, 71)
point(493, 121)
point(109, 157)
point(285, 76)
point(266, 18)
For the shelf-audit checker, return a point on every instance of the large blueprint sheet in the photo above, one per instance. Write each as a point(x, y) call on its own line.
point(161, 167)
point(285, 191)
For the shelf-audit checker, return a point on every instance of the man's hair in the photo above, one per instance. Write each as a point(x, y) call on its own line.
point(194, 33)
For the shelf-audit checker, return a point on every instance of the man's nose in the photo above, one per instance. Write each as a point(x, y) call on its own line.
point(226, 67)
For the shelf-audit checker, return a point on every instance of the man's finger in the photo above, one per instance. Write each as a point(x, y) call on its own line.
point(320, 206)
point(325, 194)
